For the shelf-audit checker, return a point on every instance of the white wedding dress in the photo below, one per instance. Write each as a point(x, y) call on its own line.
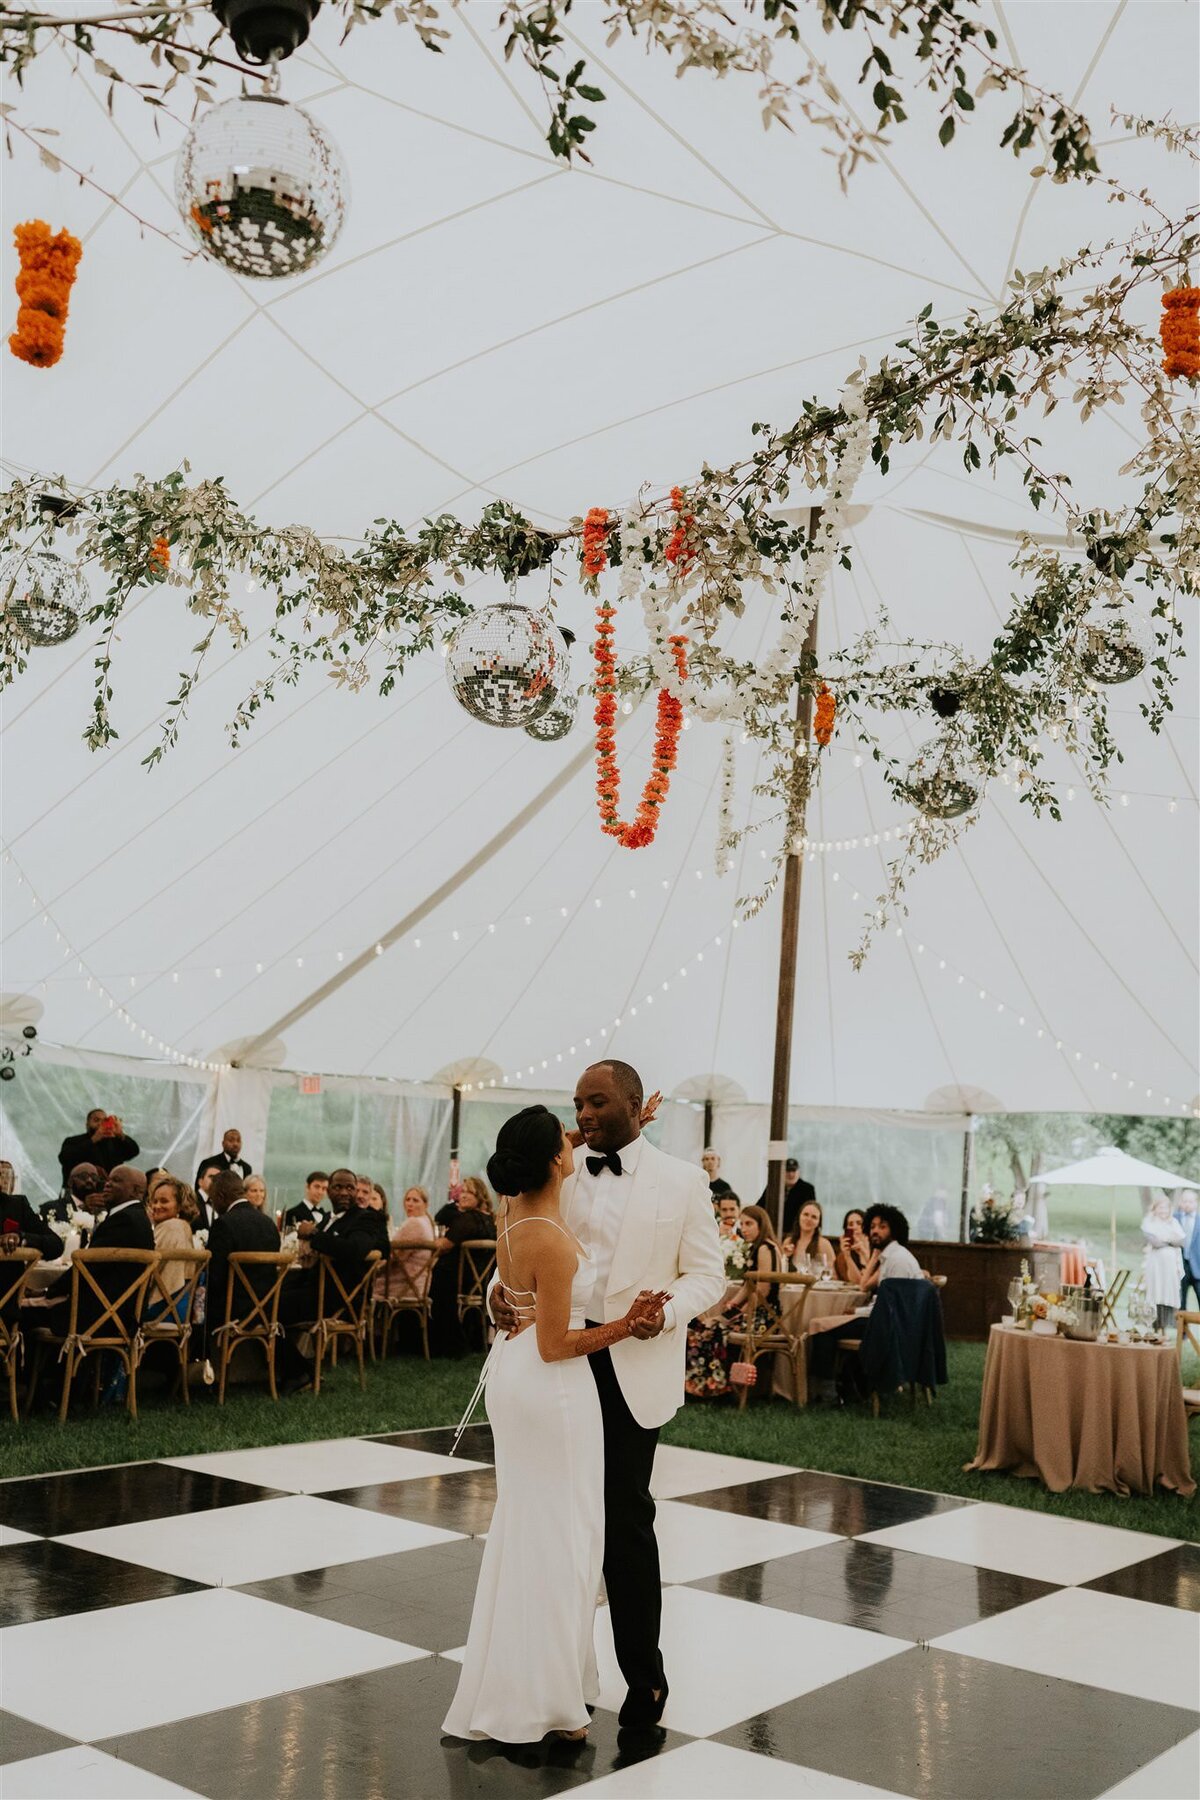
point(530, 1664)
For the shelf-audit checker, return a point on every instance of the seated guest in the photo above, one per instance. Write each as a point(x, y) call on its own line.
point(728, 1213)
point(375, 1197)
point(808, 1243)
point(709, 1352)
point(18, 1219)
point(228, 1159)
point(256, 1191)
point(171, 1231)
point(204, 1204)
point(85, 1179)
point(854, 1249)
point(710, 1162)
point(236, 1226)
point(364, 1188)
point(890, 1260)
point(346, 1238)
point(312, 1208)
point(103, 1142)
point(125, 1225)
point(472, 1218)
point(406, 1273)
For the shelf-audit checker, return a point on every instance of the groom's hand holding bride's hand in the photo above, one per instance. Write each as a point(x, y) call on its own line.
point(645, 1317)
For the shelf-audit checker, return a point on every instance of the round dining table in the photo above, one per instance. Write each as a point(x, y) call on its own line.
point(831, 1302)
point(1081, 1414)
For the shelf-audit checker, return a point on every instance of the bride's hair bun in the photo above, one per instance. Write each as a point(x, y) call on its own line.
point(526, 1146)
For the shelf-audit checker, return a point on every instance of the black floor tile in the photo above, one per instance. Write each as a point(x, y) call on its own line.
point(461, 1502)
point(474, 1446)
point(1169, 1579)
point(826, 1502)
point(416, 1596)
point(371, 1737)
point(46, 1580)
point(56, 1505)
point(20, 1738)
point(939, 1726)
point(892, 1591)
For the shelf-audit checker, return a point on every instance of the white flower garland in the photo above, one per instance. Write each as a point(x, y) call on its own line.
point(725, 831)
point(733, 703)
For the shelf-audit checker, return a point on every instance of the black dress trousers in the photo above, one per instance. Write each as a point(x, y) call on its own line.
point(631, 1572)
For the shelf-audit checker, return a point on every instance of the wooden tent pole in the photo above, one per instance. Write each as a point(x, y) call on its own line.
point(789, 944)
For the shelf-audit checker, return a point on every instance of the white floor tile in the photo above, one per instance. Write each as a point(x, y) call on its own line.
point(231, 1545)
point(705, 1771)
point(125, 1668)
point(1023, 1543)
point(10, 1535)
point(678, 1472)
point(84, 1773)
point(1175, 1775)
point(727, 1660)
point(322, 1467)
point(695, 1541)
point(1102, 1640)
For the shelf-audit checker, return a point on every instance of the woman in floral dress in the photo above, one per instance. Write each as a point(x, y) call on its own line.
point(710, 1354)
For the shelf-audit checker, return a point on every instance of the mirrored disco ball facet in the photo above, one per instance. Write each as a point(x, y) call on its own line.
point(940, 781)
point(556, 722)
point(42, 596)
point(260, 186)
point(505, 665)
point(1112, 643)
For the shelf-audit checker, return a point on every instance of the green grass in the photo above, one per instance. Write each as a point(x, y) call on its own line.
point(922, 1447)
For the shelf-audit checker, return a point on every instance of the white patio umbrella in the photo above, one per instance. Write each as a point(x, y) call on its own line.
point(1112, 1168)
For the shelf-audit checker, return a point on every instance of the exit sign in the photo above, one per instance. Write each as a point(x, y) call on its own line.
point(310, 1084)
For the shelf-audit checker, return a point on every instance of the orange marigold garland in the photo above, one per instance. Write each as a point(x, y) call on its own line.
point(159, 557)
point(595, 542)
point(1180, 332)
point(48, 264)
point(826, 713)
point(634, 835)
point(677, 544)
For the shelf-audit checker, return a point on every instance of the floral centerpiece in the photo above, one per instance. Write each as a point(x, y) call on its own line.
point(992, 1221)
point(737, 1258)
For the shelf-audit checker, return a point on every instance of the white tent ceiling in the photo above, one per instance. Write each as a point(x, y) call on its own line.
point(492, 324)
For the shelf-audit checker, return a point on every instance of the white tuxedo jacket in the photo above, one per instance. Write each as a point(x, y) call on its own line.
point(668, 1240)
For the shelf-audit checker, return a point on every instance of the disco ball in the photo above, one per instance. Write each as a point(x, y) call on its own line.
point(260, 186)
point(42, 596)
point(506, 665)
point(557, 721)
point(1112, 643)
point(940, 782)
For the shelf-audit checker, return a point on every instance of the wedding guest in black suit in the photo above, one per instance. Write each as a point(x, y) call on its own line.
point(99, 1143)
point(125, 1225)
point(17, 1217)
point(85, 1179)
point(236, 1226)
point(346, 1238)
point(312, 1209)
point(228, 1160)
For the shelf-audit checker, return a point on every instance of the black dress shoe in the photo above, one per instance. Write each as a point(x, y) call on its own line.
point(641, 1710)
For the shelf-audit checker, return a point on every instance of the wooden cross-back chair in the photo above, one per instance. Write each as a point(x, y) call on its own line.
point(172, 1323)
point(259, 1321)
point(116, 1325)
point(765, 1335)
point(342, 1312)
point(475, 1267)
point(1108, 1318)
point(1187, 1332)
point(409, 1271)
point(14, 1273)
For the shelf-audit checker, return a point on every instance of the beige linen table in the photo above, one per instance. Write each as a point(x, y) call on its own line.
point(43, 1275)
point(827, 1300)
point(1083, 1415)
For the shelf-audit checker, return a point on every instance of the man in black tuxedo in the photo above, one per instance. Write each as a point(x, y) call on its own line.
point(17, 1216)
point(236, 1226)
point(228, 1160)
point(311, 1210)
point(107, 1153)
point(346, 1238)
point(125, 1225)
point(84, 1180)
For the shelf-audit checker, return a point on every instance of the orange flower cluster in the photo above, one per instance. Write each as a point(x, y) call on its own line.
point(160, 556)
point(677, 550)
point(826, 713)
point(1180, 332)
point(595, 542)
point(48, 264)
point(640, 831)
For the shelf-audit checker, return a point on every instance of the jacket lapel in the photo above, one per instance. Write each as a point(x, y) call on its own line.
point(637, 1227)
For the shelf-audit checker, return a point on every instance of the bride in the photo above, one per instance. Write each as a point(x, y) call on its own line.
point(530, 1667)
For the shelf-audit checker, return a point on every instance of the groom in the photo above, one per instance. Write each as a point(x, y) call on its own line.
point(647, 1219)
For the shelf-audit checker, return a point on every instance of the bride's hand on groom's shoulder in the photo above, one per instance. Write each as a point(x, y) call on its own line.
point(650, 1107)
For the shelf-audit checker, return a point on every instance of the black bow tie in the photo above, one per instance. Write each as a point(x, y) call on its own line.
point(611, 1161)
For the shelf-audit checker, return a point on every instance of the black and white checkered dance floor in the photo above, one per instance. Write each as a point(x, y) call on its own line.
point(285, 1622)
